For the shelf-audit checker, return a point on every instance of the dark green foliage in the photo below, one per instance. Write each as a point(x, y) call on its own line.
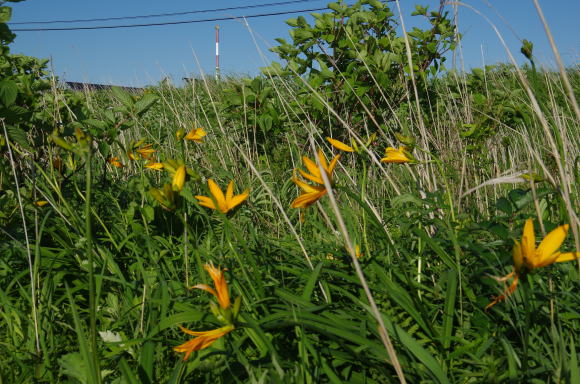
point(354, 61)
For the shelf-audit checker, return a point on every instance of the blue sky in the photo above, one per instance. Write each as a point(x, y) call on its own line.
point(141, 56)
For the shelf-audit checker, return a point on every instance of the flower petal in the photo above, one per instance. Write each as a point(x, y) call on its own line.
point(549, 246)
point(393, 155)
point(312, 167)
point(567, 256)
point(517, 256)
point(238, 199)
point(205, 201)
point(340, 145)
point(221, 285)
point(306, 199)
point(505, 293)
point(316, 179)
point(331, 166)
point(203, 340)
point(307, 187)
point(179, 178)
point(322, 160)
point(529, 242)
point(206, 288)
point(217, 194)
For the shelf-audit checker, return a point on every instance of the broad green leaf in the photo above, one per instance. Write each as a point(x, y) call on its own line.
point(8, 92)
point(145, 103)
point(5, 14)
point(123, 96)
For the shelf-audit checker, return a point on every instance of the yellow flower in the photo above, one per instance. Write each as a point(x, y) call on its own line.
point(226, 314)
point(179, 178)
point(180, 134)
point(527, 257)
point(202, 340)
point(196, 135)
point(340, 145)
point(146, 151)
point(224, 203)
point(40, 203)
point(153, 165)
point(115, 162)
point(311, 193)
point(221, 286)
point(393, 155)
point(357, 252)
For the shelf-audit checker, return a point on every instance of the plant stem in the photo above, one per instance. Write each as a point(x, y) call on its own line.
point(528, 314)
point(364, 217)
point(89, 249)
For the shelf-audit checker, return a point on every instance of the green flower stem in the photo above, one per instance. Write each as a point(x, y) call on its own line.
point(89, 250)
point(364, 215)
point(527, 326)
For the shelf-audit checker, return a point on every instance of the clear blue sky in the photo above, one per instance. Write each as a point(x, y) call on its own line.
point(140, 56)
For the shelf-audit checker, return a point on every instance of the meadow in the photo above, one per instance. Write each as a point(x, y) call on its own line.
point(357, 213)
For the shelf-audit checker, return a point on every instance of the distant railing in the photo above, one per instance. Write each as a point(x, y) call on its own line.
point(76, 86)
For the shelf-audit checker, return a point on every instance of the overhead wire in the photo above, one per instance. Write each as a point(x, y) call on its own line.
point(168, 23)
point(250, 6)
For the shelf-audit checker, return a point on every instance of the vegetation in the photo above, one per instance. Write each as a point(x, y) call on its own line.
point(400, 250)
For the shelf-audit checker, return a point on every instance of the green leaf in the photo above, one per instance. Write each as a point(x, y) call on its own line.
point(311, 282)
point(18, 136)
point(127, 373)
point(123, 96)
point(449, 309)
point(8, 92)
point(145, 103)
point(146, 362)
point(265, 123)
point(504, 205)
point(574, 366)
point(5, 14)
point(74, 366)
point(398, 201)
point(413, 346)
point(148, 213)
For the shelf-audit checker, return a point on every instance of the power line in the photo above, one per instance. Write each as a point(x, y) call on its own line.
point(165, 14)
point(168, 23)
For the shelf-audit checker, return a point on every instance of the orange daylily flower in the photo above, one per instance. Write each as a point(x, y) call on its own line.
point(154, 165)
point(115, 162)
point(340, 145)
point(179, 178)
point(224, 203)
point(311, 193)
point(226, 314)
point(527, 257)
point(393, 155)
point(221, 286)
point(146, 151)
point(202, 340)
point(196, 135)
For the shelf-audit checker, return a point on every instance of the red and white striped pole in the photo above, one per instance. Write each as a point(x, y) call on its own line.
point(217, 52)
